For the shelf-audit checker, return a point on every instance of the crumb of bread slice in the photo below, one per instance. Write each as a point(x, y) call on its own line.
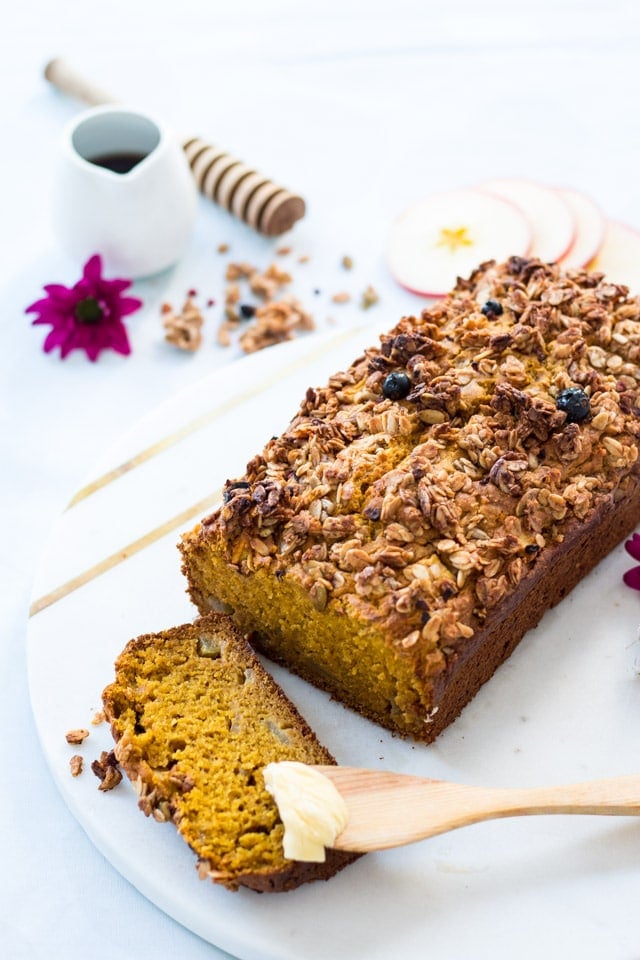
point(196, 718)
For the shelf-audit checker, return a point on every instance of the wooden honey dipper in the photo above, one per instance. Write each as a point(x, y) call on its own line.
point(252, 197)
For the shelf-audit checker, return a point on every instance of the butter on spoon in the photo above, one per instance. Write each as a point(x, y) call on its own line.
point(385, 809)
point(311, 808)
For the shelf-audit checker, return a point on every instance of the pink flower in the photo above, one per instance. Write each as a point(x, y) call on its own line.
point(87, 316)
point(632, 577)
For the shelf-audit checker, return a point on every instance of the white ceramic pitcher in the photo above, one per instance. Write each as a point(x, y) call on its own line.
point(139, 220)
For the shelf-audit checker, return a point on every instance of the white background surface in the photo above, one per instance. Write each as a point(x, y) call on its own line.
point(362, 107)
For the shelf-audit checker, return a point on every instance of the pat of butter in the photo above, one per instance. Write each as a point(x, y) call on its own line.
point(311, 808)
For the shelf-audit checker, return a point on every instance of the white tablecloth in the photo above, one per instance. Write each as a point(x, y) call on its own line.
point(361, 106)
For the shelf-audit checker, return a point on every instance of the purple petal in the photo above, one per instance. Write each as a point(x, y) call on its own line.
point(68, 344)
point(116, 286)
point(55, 338)
point(127, 305)
point(93, 269)
point(632, 578)
point(632, 546)
point(39, 306)
point(57, 290)
point(119, 341)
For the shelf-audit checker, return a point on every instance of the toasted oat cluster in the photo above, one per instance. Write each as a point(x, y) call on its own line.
point(275, 320)
point(416, 488)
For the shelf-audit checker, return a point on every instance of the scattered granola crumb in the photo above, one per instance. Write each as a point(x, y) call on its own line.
point(283, 251)
point(238, 271)
point(369, 298)
point(304, 258)
point(232, 294)
point(98, 718)
point(107, 770)
point(267, 284)
point(347, 263)
point(183, 329)
point(223, 248)
point(275, 322)
point(77, 736)
point(342, 297)
point(75, 765)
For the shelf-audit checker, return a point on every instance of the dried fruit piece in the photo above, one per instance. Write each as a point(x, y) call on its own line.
point(396, 386)
point(575, 403)
point(492, 308)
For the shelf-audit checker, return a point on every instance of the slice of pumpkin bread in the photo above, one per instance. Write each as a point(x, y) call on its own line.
point(196, 718)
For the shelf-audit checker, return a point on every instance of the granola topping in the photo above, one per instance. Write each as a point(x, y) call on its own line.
point(423, 513)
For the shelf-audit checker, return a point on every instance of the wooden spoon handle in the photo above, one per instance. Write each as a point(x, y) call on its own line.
point(389, 810)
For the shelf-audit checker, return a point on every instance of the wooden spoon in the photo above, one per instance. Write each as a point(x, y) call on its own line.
point(393, 809)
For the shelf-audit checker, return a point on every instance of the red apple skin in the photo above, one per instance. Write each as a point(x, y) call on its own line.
point(617, 231)
point(598, 234)
point(527, 181)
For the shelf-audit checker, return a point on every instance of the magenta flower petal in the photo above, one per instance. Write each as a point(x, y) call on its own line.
point(632, 578)
point(88, 316)
point(632, 546)
point(93, 269)
point(130, 305)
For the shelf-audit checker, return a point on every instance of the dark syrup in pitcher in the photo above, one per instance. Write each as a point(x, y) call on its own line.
point(118, 162)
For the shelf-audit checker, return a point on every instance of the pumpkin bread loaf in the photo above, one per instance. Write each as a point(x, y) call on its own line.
point(196, 718)
point(425, 507)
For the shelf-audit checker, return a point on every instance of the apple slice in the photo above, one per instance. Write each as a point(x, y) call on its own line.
point(447, 235)
point(590, 227)
point(548, 213)
point(619, 255)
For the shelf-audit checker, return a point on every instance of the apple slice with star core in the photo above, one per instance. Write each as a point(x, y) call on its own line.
point(590, 228)
point(447, 235)
point(552, 221)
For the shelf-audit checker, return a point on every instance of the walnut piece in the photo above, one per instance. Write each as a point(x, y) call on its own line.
point(184, 330)
point(107, 770)
point(75, 765)
point(77, 736)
